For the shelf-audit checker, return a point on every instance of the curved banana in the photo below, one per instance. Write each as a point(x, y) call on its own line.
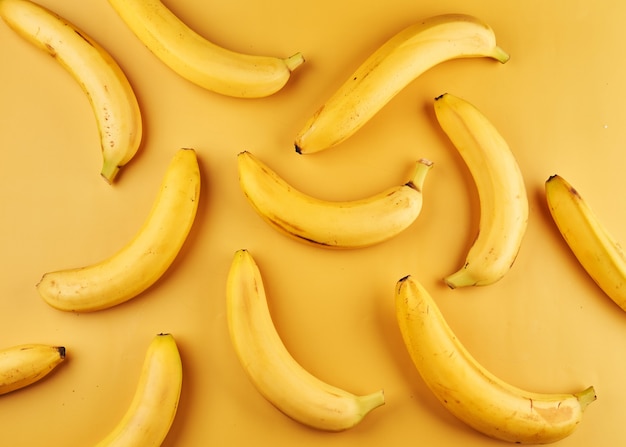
point(199, 60)
point(111, 96)
point(153, 408)
point(23, 365)
point(597, 251)
point(273, 371)
point(347, 224)
point(470, 392)
point(144, 259)
point(501, 192)
point(392, 67)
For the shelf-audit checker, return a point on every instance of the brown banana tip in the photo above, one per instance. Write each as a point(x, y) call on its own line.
point(404, 278)
point(298, 150)
point(61, 350)
point(440, 96)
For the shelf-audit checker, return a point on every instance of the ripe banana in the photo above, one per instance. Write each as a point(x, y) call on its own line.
point(274, 372)
point(501, 192)
point(391, 68)
point(144, 259)
point(347, 224)
point(200, 61)
point(153, 408)
point(26, 364)
point(470, 392)
point(110, 94)
point(596, 250)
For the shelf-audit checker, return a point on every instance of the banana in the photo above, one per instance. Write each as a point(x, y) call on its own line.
point(347, 224)
point(470, 392)
point(390, 69)
point(597, 251)
point(151, 413)
point(200, 61)
point(144, 259)
point(24, 365)
point(271, 368)
point(501, 192)
point(110, 94)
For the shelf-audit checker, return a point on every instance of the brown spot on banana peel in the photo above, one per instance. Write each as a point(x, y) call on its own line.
point(312, 241)
point(294, 231)
point(553, 415)
point(51, 50)
point(85, 38)
point(574, 192)
point(403, 279)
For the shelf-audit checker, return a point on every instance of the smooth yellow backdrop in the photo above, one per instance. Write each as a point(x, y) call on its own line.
point(559, 102)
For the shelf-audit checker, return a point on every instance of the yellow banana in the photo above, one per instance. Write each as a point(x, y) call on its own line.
point(144, 259)
point(23, 365)
point(271, 368)
point(501, 192)
point(111, 96)
point(200, 61)
point(347, 224)
point(597, 251)
point(151, 413)
point(470, 392)
point(392, 67)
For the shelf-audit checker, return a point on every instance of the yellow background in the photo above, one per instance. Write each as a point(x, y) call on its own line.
point(559, 102)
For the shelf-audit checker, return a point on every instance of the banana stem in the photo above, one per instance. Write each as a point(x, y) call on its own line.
point(419, 175)
point(294, 61)
point(500, 55)
point(371, 401)
point(586, 396)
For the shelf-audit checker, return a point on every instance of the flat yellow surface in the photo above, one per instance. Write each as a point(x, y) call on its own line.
point(546, 326)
